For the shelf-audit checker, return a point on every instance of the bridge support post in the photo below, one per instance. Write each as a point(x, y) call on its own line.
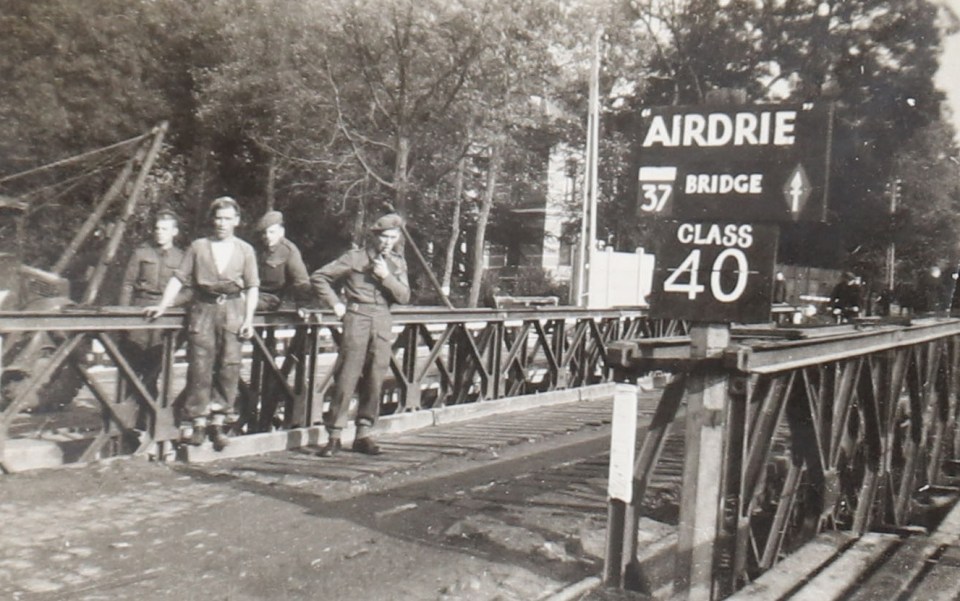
point(703, 467)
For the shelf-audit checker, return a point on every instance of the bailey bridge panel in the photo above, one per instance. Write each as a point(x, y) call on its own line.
point(69, 378)
point(852, 430)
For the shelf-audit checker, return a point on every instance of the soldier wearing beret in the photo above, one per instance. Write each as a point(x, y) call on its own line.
point(283, 276)
point(373, 278)
point(222, 270)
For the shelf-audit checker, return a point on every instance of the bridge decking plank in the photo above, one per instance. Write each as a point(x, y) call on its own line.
point(899, 573)
point(942, 583)
point(788, 574)
point(847, 569)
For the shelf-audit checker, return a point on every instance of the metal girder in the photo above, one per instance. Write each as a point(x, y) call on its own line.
point(838, 429)
point(767, 356)
point(126, 318)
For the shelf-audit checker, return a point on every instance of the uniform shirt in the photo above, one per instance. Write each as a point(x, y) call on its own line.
point(147, 274)
point(354, 269)
point(281, 268)
point(199, 270)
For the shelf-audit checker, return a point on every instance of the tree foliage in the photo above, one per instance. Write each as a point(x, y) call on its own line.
point(334, 110)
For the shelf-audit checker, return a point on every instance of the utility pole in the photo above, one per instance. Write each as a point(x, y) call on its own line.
point(892, 246)
point(588, 226)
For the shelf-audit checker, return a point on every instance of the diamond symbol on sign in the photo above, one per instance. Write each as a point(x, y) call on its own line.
point(797, 190)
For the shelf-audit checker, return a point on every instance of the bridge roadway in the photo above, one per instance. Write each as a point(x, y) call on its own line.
point(507, 506)
point(504, 506)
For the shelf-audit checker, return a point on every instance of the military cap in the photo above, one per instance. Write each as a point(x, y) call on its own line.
point(166, 214)
point(389, 221)
point(270, 218)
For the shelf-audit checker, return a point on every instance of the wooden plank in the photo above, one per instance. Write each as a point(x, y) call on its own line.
point(898, 573)
point(841, 575)
point(948, 532)
point(788, 574)
point(942, 583)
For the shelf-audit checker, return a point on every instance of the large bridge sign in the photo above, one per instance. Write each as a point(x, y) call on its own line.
point(717, 272)
point(757, 163)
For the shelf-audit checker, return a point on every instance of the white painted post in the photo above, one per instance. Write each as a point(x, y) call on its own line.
point(623, 439)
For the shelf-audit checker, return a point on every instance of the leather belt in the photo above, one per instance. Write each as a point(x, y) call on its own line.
point(218, 299)
point(355, 306)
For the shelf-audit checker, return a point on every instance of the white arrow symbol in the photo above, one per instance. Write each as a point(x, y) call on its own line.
point(796, 191)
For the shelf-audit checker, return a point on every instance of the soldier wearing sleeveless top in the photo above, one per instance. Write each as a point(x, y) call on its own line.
point(222, 270)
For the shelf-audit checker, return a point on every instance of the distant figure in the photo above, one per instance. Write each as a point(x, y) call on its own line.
point(933, 291)
point(222, 270)
point(779, 288)
point(845, 300)
point(885, 302)
point(372, 278)
point(283, 276)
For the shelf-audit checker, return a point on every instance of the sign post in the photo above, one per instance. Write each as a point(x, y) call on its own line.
point(720, 180)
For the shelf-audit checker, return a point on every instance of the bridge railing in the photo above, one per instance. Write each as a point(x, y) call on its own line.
point(79, 383)
point(839, 429)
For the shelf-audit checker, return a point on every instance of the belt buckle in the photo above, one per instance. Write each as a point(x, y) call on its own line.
point(221, 299)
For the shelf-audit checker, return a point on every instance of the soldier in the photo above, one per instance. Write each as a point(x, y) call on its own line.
point(222, 270)
point(373, 278)
point(933, 292)
point(845, 300)
point(148, 270)
point(283, 276)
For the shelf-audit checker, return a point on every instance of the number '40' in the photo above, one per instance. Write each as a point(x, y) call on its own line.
point(690, 285)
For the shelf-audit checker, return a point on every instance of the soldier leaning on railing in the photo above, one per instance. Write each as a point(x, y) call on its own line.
point(149, 269)
point(222, 270)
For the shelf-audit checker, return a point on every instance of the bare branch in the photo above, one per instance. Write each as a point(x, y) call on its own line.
point(357, 151)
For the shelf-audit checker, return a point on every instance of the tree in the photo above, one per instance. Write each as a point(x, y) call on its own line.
point(874, 59)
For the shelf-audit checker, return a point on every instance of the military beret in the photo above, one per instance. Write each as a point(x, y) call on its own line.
point(270, 218)
point(389, 221)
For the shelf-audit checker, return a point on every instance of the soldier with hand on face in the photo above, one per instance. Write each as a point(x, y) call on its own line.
point(372, 278)
point(283, 276)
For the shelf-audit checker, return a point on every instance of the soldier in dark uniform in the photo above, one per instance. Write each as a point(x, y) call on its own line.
point(148, 271)
point(933, 292)
point(373, 278)
point(283, 276)
point(845, 300)
point(222, 270)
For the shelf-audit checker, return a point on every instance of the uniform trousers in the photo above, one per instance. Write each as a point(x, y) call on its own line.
point(365, 350)
point(214, 354)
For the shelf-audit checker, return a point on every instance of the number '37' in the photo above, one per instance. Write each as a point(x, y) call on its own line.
point(656, 196)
